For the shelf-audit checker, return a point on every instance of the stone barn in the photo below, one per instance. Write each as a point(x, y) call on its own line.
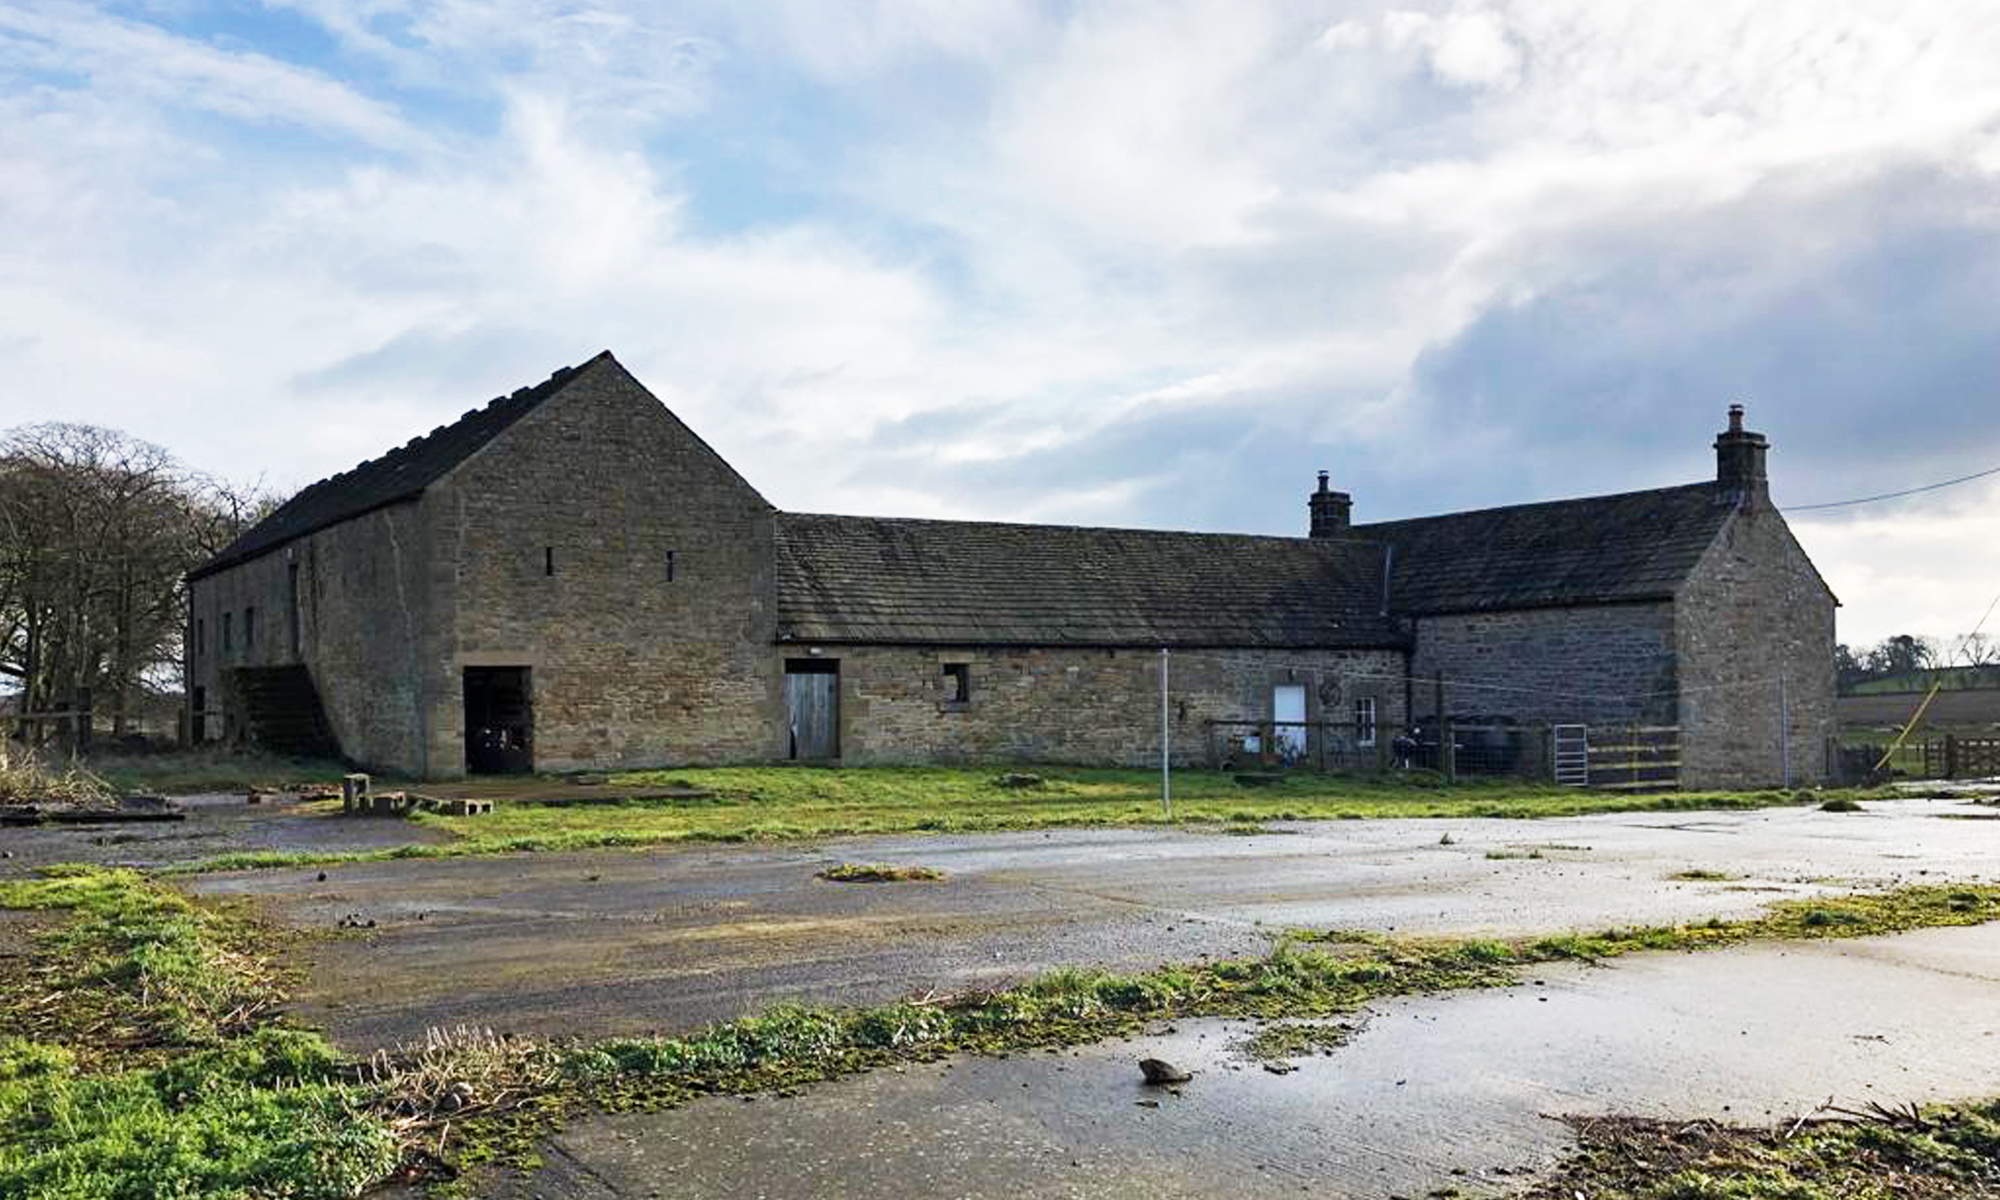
point(570, 578)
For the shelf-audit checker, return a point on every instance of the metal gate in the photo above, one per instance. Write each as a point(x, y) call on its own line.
point(812, 709)
point(1571, 751)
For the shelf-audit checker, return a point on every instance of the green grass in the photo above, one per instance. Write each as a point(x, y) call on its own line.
point(137, 1061)
point(135, 967)
point(188, 772)
point(774, 803)
point(267, 1115)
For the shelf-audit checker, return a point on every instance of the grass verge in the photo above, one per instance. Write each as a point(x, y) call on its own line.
point(735, 804)
point(208, 1098)
point(187, 772)
point(1941, 1153)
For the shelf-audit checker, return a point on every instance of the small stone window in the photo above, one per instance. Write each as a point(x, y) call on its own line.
point(957, 685)
point(548, 560)
point(249, 629)
point(670, 566)
point(227, 639)
point(1364, 721)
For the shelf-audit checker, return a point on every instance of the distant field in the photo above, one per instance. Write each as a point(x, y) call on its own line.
point(1963, 710)
point(1952, 679)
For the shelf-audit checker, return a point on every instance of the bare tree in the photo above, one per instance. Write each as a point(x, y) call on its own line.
point(97, 532)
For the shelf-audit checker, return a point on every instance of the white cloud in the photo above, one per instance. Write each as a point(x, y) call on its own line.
point(1118, 262)
point(140, 62)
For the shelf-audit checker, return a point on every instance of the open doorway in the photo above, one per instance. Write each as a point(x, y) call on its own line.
point(499, 721)
point(812, 709)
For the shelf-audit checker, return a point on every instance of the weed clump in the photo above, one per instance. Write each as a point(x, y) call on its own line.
point(25, 780)
point(1841, 804)
point(879, 873)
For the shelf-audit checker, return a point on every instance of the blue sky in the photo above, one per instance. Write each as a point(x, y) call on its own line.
point(1123, 263)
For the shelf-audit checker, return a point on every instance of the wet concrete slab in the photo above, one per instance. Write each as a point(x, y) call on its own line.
point(607, 943)
point(215, 825)
point(1455, 1091)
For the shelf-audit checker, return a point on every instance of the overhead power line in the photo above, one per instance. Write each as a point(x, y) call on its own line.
point(1929, 487)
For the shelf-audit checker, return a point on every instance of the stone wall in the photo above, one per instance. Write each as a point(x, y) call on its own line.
point(364, 611)
point(1082, 706)
point(1595, 664)
point(1756, 636)
point(650, 640)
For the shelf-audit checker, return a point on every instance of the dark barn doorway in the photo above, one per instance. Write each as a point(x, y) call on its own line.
point(812, 709)
point(499, 721)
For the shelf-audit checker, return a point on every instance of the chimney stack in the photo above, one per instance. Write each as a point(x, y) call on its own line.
point(1739, 460)
point(1330, 510)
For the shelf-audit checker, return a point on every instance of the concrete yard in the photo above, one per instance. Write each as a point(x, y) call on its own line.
point(1454, 1091)
point(603, 943)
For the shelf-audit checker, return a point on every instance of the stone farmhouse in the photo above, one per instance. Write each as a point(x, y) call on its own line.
point(570, 578)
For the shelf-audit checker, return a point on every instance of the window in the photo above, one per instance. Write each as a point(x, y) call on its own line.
point(548, 560)
point(670, 566)
point(249, 629)
point(1364, 721)
point(226, 638)
point(957, 684)
point(200, 637)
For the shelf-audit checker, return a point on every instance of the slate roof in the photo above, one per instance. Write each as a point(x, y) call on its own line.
point(900, 581)
point(399, 475)
point(1630, 546)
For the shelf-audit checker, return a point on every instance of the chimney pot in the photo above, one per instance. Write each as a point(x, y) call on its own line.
point(1330, 510)
point(1739, 460)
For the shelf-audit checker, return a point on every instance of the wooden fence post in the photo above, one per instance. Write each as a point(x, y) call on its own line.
point(1448, 751)
point(1950, 756)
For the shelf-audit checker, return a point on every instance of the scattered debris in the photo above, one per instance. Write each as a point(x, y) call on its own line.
point(1839, 804)
point(1447, 839)
point(1018, 780)
point(1160, 1072)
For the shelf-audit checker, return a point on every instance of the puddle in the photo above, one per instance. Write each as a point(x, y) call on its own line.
point(1446, 1091)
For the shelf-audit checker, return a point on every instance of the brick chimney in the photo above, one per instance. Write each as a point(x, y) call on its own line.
point(1739, 460)
point(1330, 510)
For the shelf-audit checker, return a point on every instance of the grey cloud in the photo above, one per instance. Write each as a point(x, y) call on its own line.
point(1858, 325)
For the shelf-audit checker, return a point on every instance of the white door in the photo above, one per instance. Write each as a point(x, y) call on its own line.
point(1288, 703)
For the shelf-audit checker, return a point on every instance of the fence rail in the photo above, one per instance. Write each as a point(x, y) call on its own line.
point(1624, 757)
point(1947, 757)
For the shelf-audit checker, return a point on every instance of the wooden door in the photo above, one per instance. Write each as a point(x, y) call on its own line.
point(812, 710)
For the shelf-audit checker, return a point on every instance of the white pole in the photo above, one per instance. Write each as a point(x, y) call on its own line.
point(1785, 728)
point(1166, 777)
